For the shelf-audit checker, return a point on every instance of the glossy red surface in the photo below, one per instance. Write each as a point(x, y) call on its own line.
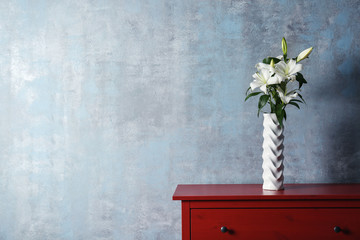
point(255, 192)
point(273, 224)
point(301, 211)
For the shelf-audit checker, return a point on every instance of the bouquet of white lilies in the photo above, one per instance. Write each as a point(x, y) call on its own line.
point(276, 77)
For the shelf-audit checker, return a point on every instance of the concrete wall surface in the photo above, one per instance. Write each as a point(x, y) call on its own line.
point(105, 106)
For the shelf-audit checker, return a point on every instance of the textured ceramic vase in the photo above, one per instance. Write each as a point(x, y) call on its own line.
point(273, 153)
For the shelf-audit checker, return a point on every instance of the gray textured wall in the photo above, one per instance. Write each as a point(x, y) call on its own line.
point(105, 106)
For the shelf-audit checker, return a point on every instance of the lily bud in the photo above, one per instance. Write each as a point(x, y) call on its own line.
point(272, 64)
point(304, 54)
point(284, 46)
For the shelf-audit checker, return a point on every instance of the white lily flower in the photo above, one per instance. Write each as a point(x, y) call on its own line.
point(262, 79)
point(269, 67)
point(280, 79)
point(287, 70)
point(286, 97)
point(304, 54)
point(261, 65)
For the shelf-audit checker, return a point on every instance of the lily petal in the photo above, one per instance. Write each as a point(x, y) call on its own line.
point(274, 80)
point(286, 98)
point(255, 84)
point(261, 66)
point(286, 70)
point(293, 67)
point(263, 88)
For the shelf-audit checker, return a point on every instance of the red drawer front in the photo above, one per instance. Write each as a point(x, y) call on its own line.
point(275, 224)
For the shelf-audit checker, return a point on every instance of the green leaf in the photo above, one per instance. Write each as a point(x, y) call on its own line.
point(272, 106)
point(262, 102)
point(296, 100)
point(280, 117)
point(277, 99)
point(294, 104)
point(268, 60)
point(301, 98)
point(283, 86)
point(280, 113)
point(247, 90)
point(300, 78)
point(251, 95)
point(276, 60)
point(278, 109)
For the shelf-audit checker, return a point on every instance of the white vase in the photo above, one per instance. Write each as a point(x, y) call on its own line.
point(273, 153)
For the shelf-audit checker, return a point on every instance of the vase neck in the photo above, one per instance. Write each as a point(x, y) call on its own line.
point(271, 117)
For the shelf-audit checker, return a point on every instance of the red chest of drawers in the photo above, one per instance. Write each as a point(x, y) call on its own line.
point(245, 211)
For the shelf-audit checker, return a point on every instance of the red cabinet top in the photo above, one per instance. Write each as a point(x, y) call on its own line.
point(255, 192)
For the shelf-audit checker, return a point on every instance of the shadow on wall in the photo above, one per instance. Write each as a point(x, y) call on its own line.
point(343, 132)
